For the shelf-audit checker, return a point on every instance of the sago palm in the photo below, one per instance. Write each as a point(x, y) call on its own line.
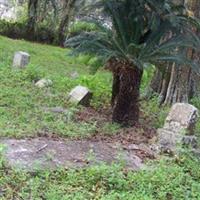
point(143, 32)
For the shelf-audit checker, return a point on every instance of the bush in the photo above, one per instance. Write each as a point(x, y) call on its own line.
point(14, 30)
point(80, 26)
point(154, 112)
point(33, 74)
point(18, 30)
point(44, 32)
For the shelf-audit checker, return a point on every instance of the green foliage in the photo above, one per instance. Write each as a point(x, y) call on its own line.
point(94, 64)
point(21, 115)
point(79, 26)
point(146, 78)
point(138, 29)
point(13, 29)
point(33, 73)
point(110, 129)
point(195, 101)
point(22, 104)
point(84, 59)
point(177, 179)
point(100, 84)
point(155, 113)
point(18, 30)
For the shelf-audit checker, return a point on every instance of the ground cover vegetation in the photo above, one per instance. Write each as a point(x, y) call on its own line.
point(25, 109)
point(175, 179)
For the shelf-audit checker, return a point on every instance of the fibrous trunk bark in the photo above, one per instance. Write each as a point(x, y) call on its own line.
point(126, 91)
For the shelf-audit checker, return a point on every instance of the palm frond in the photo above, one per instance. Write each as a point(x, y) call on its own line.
point(143, 31)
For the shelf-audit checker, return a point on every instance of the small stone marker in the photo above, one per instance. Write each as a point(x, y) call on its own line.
point(181, 120)
point(21, 59)
point(44, 83)
point(55, 109)
point(74, 75)
point(80, 95)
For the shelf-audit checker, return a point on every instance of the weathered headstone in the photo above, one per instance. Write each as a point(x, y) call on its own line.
point(180, 121)
point(182, 116)
point(21, 59)
point(80, 95)
point(44, 83)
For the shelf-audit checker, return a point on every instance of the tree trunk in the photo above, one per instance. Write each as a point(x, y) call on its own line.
point(63, 26)
point(115, 88)
point(32, 17)
point(179, 83)
point(126, 108)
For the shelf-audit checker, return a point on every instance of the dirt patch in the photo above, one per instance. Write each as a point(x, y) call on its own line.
point(43, 153)
point(89, 114)
point(140, 133)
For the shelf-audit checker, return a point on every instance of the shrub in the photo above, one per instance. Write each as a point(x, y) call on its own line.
point(79, 26)
point(17, 30)
point(14, 30)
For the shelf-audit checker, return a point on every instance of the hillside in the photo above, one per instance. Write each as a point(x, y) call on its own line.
point(25, 113)
point(20, 96)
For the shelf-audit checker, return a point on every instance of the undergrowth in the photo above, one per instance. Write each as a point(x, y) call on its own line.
point(22, 104)
point(22, 115)
point(176, 179)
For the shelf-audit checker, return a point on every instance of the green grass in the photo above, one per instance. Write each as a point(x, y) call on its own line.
point(177, 179)
point(21, 115)
point(22, 104)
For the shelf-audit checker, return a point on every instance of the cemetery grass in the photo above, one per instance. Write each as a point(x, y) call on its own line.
point(22, 104)
point(22, 115)
point(25, 109)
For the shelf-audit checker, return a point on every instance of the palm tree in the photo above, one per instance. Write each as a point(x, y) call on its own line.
point(139, 37)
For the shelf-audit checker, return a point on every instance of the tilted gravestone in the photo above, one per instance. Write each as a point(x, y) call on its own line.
point(80, 95)
point(21, 59)
point(180, 122)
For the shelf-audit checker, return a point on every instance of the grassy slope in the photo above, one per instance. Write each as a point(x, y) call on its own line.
point(21, 115)
point(22, 104)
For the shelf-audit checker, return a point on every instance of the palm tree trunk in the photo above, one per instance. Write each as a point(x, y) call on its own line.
point(115, 88)
point(126, 108)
